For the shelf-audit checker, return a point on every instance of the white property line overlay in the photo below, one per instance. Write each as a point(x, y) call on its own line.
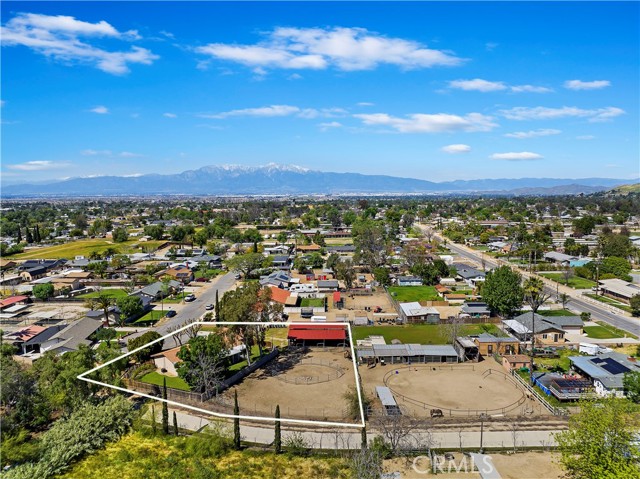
point(83, 377)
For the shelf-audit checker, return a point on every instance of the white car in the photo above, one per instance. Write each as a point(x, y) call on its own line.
point(190, 297)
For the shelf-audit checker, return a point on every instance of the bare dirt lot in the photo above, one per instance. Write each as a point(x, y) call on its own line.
point(525, 465)
point(311, 386)
point(458, 390)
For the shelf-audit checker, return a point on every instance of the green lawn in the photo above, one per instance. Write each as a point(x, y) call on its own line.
point(575, 282)
point(553, 364)
point(557, 312)
point(407, 294)
point(255, 354)
point(84, 247)
point(599, 332)
point(171, 300)
point(172, 381)
point(421, 333)
point(312, 302)
point(209, 273)
point(619, 333)
point(111, 292)
point(151, 317)
point(612, 302)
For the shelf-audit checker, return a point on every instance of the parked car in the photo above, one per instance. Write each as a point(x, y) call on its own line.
point(238, 276)
point(190, 297)
point(201, 280)
point(209, 307)
point(171, 313)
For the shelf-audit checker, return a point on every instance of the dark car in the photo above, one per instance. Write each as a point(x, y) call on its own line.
point(171, 313)
point(201, 280)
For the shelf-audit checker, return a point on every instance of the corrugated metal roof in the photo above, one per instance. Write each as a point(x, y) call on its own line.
point(385, 396)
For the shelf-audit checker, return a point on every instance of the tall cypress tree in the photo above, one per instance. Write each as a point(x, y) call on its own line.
point(217, 310)
point(236, 421)
point(19, 236)
point(363, 436)
point(176, 431)
point(165, 407)
point(36, 234)
point(277, 441)
point(29, 237)
point(154, 424)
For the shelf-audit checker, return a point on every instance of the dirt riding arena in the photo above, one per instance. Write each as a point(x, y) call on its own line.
point(468, 389)
point(310, 385)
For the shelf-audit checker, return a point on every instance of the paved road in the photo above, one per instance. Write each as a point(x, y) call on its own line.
point(351, 439)
point(578, 303)
point(194, 309)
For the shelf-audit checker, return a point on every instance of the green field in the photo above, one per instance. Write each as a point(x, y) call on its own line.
point(557, 312)
point(312, 302)
point(110, 292)
point(172, 381)
point(255, 354)
point(407, 294)
point(575, 282)
point(619, 333)
point(85, 247)
point(599, 332)
point(421, 333)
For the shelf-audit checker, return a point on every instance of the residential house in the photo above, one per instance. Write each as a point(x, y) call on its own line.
point(469, 275)
point(308, 248)
point(279, 279)
point(65, 282)
point(180, 273)
point(166, 361)
point(416, 313)
point(619, 289)
point(547, 333)
point(409, 281)
point(516, 361)
point(278, 249)
point(72, 336)
point(327, 285)
point(606, 371)
point(282, 262)
point(212, 261)
point(156, 291)
point(29, 340)
point(559, 258)
point(489, 344)
point(344, 249)
point(474, 309)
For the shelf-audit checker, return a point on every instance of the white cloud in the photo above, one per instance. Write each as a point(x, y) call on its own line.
point(489, 46)
point(128, 154)
point(39, 165)
point(585, 137)
point(477, 84)
point(434, 123)
point(544, 113)
point(59, 37)
point(346, 49)
point(100, 110)
point(457, 148)
point(530, 89)
point(519, 156)
point(294, 76)
point(96, 152)
point(279, 111)
point(365, 103)
point(169, 115)
point(330, 125)
point(521, 135)
point(586, 85)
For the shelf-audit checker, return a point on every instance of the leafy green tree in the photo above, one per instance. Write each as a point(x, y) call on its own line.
point(371, 242)
point(120, 235)
point(104, 301)
point(501, 290)
point(634, 302)
point(282, 237)
point(148, 351)
point(165, 408)
point(615, 245)
point(155, 231)
point(427, 271)
point(631, 383)
point(43, 291)
point(534, 296)
point(600, 442)
point(382, 276)
point(332, 261)
point(130, 307)
point(236, 421)
point(202, 363)
point(245, 263)
point(346, 273)
point(277, 441)
point(316, 260)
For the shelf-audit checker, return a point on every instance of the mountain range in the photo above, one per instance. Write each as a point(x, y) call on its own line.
point(274, 179)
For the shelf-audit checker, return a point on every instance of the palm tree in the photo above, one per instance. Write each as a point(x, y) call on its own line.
point(104, 301)
point(535, 297)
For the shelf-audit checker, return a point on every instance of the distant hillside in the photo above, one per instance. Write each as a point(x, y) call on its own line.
point(273, 179)
point(626, 189)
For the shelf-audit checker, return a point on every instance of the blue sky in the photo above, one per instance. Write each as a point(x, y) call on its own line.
point(436, 91)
